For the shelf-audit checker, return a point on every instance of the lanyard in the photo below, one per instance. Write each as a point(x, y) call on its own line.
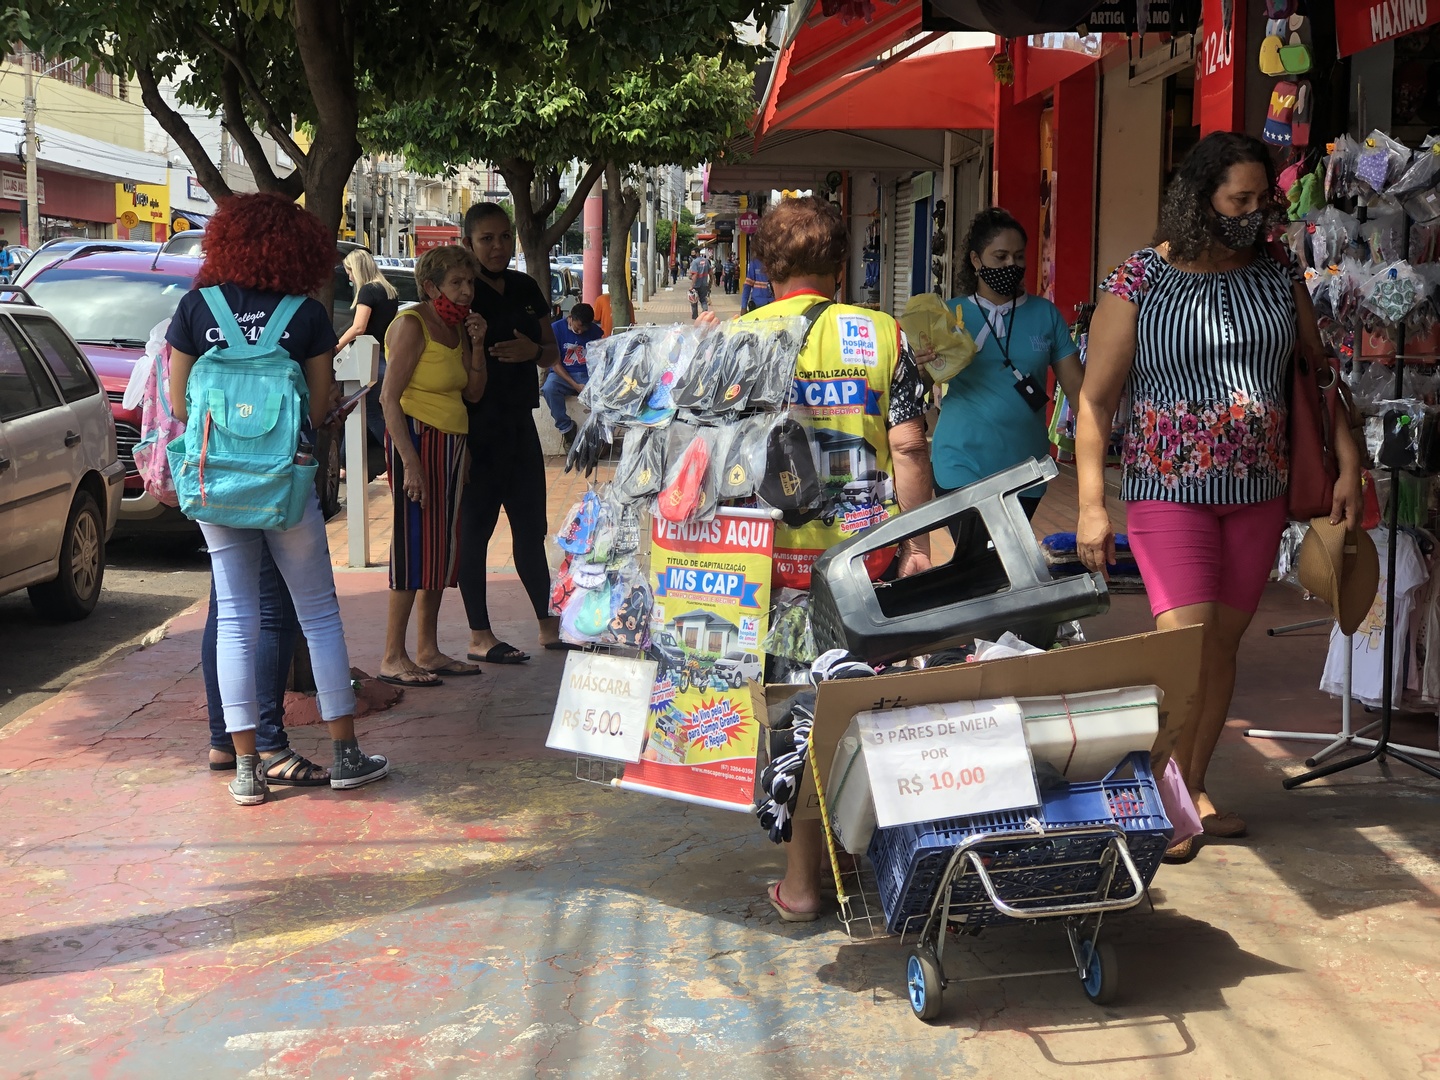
point(1002, 345)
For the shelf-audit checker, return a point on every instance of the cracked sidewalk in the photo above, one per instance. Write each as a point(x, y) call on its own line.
point(483, 913)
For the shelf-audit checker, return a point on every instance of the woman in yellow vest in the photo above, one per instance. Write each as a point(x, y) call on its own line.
point(858, 390)
point(432, 369)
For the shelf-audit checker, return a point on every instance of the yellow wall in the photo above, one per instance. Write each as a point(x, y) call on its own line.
point(147, 202)
point(74, 108)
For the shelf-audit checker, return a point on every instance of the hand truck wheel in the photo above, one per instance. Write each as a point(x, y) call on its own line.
point(1101, 976)
point(923, 982)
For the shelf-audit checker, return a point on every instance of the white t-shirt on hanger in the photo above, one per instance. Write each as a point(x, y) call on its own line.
point(1368, 671)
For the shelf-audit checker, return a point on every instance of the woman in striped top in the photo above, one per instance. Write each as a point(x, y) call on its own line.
point(1202, 327)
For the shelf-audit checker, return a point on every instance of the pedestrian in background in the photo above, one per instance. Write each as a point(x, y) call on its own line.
point(568, 377)
point(730, 275)
point(509, 466)
point(436, 370)
point(700, 275)
point(375, 303)
point(757, 291)
point(992, 415)
point(259, 249)
point(1202, 327)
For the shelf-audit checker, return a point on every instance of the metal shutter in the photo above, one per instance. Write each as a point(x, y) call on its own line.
point(900, 268)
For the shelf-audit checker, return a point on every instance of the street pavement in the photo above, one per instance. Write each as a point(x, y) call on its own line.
point(485, 912)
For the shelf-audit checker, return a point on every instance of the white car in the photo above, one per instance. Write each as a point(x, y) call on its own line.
point(60, 476)
point(738, 667)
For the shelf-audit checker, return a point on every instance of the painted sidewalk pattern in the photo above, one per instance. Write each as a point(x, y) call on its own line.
point(482, 913)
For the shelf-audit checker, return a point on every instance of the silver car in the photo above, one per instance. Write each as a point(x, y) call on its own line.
point(60, 478)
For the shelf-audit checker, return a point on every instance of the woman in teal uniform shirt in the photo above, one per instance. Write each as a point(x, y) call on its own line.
point(993, 414)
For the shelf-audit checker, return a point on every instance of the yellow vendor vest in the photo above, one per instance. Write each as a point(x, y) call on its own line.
point(842, 397)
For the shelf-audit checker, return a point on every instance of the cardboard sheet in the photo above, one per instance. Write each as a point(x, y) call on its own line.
point(1170, 659)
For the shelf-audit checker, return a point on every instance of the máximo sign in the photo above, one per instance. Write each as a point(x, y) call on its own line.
point(1359, 25)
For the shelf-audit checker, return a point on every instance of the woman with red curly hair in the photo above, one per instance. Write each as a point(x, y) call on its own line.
point(260, 249)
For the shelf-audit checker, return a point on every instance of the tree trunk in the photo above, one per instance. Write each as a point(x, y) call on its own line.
point(624, 206)
point(533, 209)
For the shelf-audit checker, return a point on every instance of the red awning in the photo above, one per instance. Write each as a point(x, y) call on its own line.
point(931, 90)
point(826, 49)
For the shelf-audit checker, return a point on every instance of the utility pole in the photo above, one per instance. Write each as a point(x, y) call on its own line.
point(652, 195)
point(32, 151)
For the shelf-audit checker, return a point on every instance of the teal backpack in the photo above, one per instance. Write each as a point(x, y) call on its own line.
point(236, 463)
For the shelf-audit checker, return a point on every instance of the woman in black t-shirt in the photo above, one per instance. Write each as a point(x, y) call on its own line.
point(507, 465)
point(375, 304)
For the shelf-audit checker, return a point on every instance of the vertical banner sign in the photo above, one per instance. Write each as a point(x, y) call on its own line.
point(1219, 77)
point(712, 596)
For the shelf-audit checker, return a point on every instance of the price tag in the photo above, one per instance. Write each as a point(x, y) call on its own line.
point(944, 761)
point(603, 706)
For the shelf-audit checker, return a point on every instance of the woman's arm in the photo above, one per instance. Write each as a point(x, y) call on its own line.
point(403, 346)
point(1071, 376)
point(320, 378)
point(472, 349)
point(1108, 360)
point(914, 486)
point(180, 365)
point(362, 320)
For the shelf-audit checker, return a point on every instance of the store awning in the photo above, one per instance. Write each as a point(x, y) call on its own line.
point(180, 220)
point(891, 75)
point(804, 159)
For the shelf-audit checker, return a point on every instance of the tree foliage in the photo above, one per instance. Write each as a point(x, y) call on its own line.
point(680, 110)
point(328, 63)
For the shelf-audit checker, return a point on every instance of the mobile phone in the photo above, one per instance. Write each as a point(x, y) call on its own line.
point(346, 403)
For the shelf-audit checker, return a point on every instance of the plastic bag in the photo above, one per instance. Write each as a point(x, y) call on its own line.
point(1385, 230)
point(1006, 647)
point(641, 471)
point(740, 456)
point(783, 338)
point(1393, 293)
point(1380, 161)
point(791, 636)
point(933, 327)
point(688, 494)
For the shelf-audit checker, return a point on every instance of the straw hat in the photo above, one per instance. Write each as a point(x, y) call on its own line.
point(1341, 568)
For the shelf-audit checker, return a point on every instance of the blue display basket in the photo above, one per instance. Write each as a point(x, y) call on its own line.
point(1032, 872)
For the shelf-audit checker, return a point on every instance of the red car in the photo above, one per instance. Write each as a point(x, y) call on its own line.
point(110, 300)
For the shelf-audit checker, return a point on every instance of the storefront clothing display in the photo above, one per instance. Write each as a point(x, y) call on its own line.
point(1368, 644)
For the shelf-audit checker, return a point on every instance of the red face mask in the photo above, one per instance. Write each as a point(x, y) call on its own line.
point(451, 313)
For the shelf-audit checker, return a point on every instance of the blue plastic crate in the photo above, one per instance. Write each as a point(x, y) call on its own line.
point(909, 860)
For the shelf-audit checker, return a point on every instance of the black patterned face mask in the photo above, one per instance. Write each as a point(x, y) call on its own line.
point(1005, 280)
point(1239, 232)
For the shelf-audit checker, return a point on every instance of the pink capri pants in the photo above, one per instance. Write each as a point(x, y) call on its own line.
point(1198, 554)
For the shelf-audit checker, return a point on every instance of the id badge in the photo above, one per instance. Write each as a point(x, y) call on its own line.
point(1029, 389)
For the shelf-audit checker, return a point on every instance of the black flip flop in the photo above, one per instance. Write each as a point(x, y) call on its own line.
point(560, 646)
point(411, 681)
point(454, 669)
point(502, 653)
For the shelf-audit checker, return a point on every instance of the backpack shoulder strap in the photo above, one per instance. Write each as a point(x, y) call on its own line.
point(224, 317)
point(812, 316)
point(279, 320)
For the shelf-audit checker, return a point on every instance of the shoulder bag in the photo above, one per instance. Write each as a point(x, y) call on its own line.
point(1319, 402)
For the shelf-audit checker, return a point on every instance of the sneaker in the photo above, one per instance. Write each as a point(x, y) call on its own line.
point(354, 768)
point(249, 787)
point(567, 438)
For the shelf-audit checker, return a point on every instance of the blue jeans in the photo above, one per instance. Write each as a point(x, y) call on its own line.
point(279, 631)
point(555, 390)
point(302, 555)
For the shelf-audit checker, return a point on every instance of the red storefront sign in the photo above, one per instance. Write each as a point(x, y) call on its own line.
point(1360, 24)
point(433, 236)
point(63, 195)
point(1219, 81)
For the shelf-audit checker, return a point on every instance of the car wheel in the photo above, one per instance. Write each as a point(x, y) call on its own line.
point(75, 591)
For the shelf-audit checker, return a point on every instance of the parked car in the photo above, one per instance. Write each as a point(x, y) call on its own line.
point(186, 243)
point(60, 474)
point(738, 667)
point(564, 290)
point(68, 247)
point(667, 654)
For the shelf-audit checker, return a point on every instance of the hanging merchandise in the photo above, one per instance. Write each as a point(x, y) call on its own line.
point(1270, 45)
point(1340, 177)
point(1392, 293)
point(1381, 160)
point(1302, 119)
point(1282, 108)
point(640, 473)
point(1295, 54)
point(791, 482)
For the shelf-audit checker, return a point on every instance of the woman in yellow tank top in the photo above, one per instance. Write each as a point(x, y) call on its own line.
point(433, 368)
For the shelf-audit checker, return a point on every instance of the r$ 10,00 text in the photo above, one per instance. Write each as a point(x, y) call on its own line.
point(944, 780)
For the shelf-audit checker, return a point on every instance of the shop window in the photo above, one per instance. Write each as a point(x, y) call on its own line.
point(692, 638)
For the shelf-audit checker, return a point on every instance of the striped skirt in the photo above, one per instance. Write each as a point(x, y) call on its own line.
point(425, 540)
